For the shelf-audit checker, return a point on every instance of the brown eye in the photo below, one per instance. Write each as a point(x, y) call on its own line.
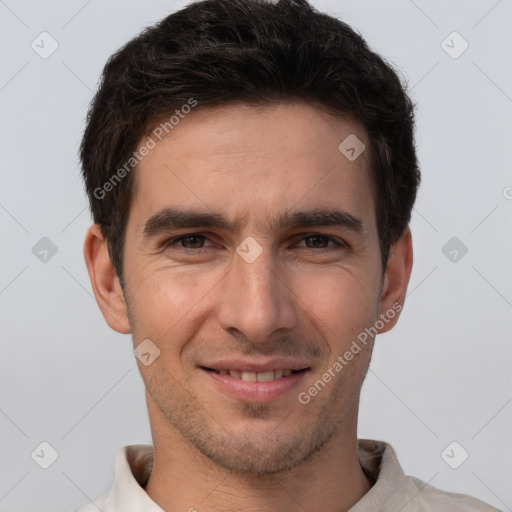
point(319, 241)
point(192, 242)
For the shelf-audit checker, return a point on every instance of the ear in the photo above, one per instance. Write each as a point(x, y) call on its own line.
point(105, 283)
point(396, 280)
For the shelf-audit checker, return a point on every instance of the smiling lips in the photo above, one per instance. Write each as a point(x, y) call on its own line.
point(246, 376)
point(260, 379)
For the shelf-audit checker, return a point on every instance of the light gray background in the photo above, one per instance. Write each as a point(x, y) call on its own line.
point(442, 375)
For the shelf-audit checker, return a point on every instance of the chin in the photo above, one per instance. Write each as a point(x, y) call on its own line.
point(263, 452)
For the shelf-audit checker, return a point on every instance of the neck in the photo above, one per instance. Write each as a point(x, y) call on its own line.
point(331, 481)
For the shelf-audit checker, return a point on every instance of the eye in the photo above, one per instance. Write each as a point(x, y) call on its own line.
point(319, 241)
point(191, 241)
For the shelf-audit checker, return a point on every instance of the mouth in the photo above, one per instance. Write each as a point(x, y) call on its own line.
point(247, 376)
point(250, 385)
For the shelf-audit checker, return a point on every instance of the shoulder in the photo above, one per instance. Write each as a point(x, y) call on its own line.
point(430, 498)
point(394, 491)
point(101, 503)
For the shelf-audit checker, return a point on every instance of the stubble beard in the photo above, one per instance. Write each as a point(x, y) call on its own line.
point(263, 453)
point(260, 452)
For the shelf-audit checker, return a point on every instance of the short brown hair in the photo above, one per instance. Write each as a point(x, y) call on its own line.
point(215, 52)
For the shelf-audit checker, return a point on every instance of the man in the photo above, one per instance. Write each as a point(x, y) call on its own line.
point(251, 172)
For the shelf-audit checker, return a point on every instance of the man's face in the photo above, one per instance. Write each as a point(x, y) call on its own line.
point(256, 295)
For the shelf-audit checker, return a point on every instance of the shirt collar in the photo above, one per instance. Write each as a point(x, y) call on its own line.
point(132, 469)
point(391, 488)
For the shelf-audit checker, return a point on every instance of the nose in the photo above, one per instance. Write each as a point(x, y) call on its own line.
point(257, 300)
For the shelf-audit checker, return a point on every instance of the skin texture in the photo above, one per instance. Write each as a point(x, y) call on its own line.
point(302, 297)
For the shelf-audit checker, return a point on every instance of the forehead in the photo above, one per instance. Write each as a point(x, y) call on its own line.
point(253, 163)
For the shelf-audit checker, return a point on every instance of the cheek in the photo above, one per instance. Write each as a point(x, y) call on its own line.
point(340, 304)
point(340, 296)
point(168, 300)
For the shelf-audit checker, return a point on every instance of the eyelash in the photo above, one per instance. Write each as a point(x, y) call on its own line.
point(171, 242)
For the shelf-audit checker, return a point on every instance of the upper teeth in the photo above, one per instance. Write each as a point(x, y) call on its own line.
point(257, 376)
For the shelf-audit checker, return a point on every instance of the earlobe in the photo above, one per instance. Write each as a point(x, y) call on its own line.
point(104, 281)
point(396, 280)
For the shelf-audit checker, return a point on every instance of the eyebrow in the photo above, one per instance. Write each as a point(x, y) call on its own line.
point(172, 218)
